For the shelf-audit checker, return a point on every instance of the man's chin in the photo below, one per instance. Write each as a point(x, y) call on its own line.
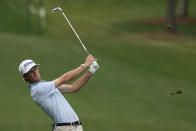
point(37, 79)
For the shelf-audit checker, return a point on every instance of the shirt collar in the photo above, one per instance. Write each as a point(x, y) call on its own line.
point(34, 84)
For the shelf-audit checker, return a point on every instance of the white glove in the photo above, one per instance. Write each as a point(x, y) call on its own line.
point(93, 67)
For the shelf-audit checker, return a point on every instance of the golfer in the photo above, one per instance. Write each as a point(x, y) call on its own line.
point(48, 94)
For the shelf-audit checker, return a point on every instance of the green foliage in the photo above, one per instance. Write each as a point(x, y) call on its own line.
point(89, 16)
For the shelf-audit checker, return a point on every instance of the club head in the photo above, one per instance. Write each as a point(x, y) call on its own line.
point(56, 9)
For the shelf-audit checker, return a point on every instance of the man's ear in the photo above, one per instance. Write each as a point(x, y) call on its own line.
point(25, 78)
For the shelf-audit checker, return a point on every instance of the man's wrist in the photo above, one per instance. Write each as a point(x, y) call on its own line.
point(84, 65)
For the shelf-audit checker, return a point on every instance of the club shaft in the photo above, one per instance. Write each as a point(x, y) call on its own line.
point(75, 33)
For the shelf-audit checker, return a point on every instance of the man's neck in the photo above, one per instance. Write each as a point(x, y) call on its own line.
point(32, 82)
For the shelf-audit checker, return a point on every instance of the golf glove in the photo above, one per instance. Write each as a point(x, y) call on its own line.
point(93, 67)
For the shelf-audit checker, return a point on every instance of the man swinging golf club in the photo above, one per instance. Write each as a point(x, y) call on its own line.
point(48, 94)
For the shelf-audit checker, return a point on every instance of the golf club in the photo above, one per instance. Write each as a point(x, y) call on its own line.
point(60, 10)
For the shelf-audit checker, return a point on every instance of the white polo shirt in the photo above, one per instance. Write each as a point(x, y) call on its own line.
point(51, 101)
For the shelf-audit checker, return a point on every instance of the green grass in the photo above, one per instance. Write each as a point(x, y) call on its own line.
point(140, 66)
point(131, 91)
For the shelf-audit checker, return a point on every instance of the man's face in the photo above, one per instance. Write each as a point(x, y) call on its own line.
point(33, 75)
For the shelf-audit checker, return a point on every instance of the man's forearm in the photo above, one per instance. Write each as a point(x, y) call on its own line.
point(69, 76)
point(77, 85)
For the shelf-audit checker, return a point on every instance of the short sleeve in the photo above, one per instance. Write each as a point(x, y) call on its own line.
point(45, 89)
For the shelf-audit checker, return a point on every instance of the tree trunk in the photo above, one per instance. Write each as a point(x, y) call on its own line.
point(171, 20)
point(184, 9)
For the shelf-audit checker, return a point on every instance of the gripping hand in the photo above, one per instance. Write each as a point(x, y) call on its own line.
point(93, 67)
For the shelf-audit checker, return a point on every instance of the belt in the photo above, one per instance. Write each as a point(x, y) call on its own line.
point(69, 124)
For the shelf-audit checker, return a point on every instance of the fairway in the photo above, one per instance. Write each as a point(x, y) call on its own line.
point(133, 87)
point(140, 66)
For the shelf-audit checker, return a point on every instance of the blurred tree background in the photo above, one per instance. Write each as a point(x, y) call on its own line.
point(33, 16)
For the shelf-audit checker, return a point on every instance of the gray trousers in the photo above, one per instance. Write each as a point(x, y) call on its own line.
point(68, 128)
